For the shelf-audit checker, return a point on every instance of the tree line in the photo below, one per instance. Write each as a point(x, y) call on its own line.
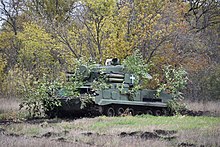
point(41, 38)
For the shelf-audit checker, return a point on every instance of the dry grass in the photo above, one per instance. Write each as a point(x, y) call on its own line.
point(201, 137)
point(211, 106)
point(79, 141)
point(105, 131)
point(9, 105)
point(21, 141)
point(9, 109)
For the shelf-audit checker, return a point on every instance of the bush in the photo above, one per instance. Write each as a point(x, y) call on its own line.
point(211, 84)
point(175, 80)
point(41, 97)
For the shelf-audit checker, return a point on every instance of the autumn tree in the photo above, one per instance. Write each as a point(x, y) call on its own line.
point(203, 19)
point(203, 14)
point(46, 36)
point(36, 53)
point(10, 11)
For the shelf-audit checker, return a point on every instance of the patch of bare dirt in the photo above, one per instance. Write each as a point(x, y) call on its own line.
point(197, 113)
point(186, 144)
point(166, 132)
point(167, 136)
point(50, 134)
point(157, 134)
point(2, 130)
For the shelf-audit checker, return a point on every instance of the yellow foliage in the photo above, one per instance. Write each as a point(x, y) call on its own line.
point(16, 80)
point(36, 51)
point(3, 63)
point(118, 43)
point(5, 38)
point(196, 63)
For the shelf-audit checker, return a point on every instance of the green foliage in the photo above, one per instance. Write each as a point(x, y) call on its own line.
point(135, 64)
point(100, 83)
point(41, 97)
point(48, 34)
point(174, 81)
point(210, 84)
point(86, 100)
point(70, 90)
point(176, 106)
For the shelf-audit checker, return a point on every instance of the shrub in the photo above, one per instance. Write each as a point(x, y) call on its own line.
point(175, 80)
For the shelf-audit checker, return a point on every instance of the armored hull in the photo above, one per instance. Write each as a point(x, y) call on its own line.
point(115, 99)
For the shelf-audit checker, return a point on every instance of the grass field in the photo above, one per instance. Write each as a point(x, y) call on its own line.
point(115, 131)
point(129, 131)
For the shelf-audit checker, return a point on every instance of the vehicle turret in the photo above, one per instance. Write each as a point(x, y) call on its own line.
point(119, 96)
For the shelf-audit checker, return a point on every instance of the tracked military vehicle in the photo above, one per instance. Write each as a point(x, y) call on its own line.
point(116, 99)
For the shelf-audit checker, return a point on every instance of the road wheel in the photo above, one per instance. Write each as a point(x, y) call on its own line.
point(131, 111)
point(157, 112)
point(52, 113)
point(165, 112)
point(110, 112)
point(101, 110)
point(120, 111)
point(149, 112)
